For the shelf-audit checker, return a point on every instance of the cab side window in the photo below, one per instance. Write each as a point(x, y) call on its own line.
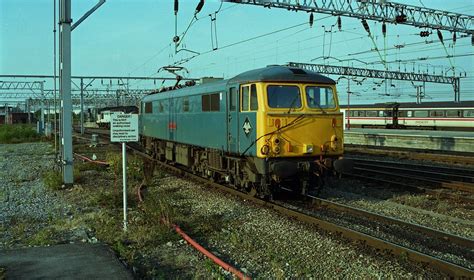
point(253, 98)
point(249, 98)
point(233, 99)
point(148, 108)
point(245, 98)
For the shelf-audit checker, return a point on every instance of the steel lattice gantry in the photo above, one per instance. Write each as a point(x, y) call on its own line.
point(382, 11)
point(5, 85)
point(381, 74)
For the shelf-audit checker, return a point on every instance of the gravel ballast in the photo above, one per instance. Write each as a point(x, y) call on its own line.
point(268, 245)
point(256, 240)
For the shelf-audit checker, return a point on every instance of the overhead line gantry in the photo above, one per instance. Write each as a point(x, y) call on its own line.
point(381, 74)
point(382, 11)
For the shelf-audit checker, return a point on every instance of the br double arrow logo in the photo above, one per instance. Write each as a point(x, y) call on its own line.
point(247, 127)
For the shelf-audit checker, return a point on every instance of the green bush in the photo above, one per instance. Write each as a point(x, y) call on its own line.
point(18, 133)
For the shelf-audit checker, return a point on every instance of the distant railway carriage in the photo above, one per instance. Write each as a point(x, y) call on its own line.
point(266, 129)
point(429, 115)
point(104, 114)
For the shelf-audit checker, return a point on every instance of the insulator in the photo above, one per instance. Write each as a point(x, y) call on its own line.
point(454, 38)
point(401, 18)
point(311, 20)
point(384, 29)
point(366, 26)
point(440, 36)
point(199, 6)
point(176, 6)
point(339, 23)
point(424, 33)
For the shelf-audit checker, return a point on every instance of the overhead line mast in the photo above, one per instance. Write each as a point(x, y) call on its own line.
point(388, 12)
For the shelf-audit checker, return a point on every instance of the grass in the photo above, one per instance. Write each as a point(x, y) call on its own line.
point(45, 236)
point(18, 133)
point(99, 196)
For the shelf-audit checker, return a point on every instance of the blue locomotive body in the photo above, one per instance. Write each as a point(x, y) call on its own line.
point(197, 116)
point(263, 130)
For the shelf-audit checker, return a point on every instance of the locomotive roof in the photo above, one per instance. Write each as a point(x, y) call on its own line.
point(278, 73)
point(273, 73)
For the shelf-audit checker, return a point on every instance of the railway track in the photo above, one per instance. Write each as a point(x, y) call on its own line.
point(447, 182)
point(450, 158)
point(326, 214)
point(460, 244)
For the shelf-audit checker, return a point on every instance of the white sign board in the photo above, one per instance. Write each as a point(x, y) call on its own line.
point(123, 127)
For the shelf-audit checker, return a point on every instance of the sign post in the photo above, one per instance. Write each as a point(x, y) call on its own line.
point(124, 128)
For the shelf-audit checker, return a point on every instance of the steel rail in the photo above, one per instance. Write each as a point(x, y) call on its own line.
point(435, 156)
point(458, 186)
point(468, 243)
point(444, 173)
point(434, 192)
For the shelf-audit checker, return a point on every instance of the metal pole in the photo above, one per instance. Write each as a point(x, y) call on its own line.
point(124, 171)
point(54, 81)
point(42, 108)
point(82, 106)
point(48, 110)
point(348, 104)
point(28, 110)
point(65, 29)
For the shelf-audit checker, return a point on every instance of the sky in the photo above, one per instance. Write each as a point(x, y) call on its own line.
point(134, 38)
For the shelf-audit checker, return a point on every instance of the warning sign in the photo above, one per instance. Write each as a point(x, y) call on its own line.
point(123, 127)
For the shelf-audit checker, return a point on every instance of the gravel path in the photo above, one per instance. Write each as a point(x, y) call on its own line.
point(25, 205)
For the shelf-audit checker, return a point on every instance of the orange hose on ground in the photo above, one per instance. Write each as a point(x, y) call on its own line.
point(196, 245)
point(208, 254)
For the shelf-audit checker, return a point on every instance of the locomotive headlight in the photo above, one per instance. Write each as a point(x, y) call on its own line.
point(276, 141)
point(265, 149)
point(276, 149)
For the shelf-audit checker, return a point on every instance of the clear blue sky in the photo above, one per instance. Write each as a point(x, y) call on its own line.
point(133, 38)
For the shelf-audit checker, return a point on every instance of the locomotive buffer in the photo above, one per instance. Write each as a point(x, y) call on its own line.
point(124, 128)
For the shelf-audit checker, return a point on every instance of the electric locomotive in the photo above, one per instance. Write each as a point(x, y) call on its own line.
point(261, 131)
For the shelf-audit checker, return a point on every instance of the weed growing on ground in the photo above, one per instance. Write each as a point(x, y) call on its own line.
point(45, 236)
point(52, 179)
point(18, 133)
point(214, 269)
point(3, 273)
point(20, 227)
point(135, 169)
